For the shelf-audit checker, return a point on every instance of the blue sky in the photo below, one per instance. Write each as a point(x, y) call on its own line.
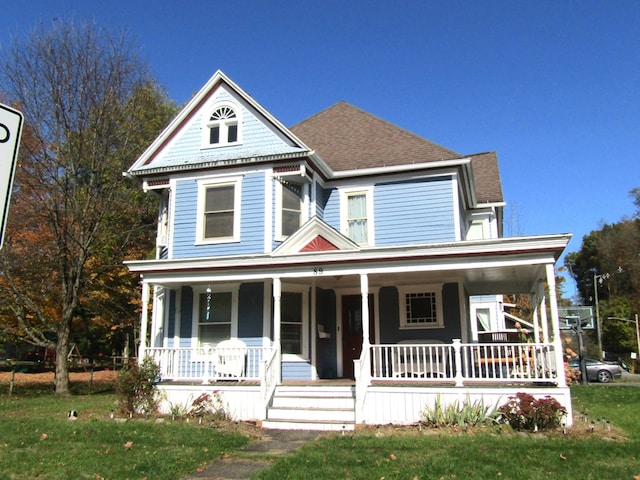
point(552, 86)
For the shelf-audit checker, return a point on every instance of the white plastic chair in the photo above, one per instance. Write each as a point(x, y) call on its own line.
point(228, 358)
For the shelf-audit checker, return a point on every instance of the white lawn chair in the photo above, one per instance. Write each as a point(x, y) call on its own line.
point(228, 358)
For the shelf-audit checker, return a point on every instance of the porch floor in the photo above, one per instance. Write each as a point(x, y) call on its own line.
point(342, 382)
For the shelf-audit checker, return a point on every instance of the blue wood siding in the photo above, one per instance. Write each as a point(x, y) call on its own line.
point(251, 220)
point(414, 212)
point(332, 207)
point(322, 197)
point(296, 371)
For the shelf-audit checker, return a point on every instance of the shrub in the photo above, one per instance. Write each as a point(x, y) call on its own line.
point(468, 414)
point(525, 412)
point(136, 387)
point(207, 405)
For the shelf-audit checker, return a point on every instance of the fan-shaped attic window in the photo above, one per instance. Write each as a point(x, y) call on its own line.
point(222, 127)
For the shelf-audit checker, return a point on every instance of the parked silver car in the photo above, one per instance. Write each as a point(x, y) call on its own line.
point(598, 371)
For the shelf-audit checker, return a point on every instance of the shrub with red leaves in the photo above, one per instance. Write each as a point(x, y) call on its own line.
point(525, 412)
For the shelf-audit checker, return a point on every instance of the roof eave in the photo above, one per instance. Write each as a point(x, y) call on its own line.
point(549, 246)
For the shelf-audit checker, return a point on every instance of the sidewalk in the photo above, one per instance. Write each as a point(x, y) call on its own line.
point(255, 456)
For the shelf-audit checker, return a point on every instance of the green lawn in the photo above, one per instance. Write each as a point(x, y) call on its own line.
point(610, 452)
point(38, 441)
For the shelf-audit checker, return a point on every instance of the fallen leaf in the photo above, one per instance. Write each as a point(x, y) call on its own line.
point(128, 445)
point(563, 457)
point(44, 436)
point(393, 456)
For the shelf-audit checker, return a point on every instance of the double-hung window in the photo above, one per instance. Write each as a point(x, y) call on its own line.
point(219, 211)
point(357, 215)
point(294, 321)
point(290, 206)
point(217, 315)
point(421, 307)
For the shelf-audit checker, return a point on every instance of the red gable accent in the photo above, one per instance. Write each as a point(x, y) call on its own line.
point(318, 244)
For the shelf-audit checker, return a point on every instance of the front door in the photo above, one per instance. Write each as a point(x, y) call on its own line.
point(352, 330)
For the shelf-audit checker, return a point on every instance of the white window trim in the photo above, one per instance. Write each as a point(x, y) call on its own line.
point(197, 291)
point(206, 123)
point(237, 203)
point(428, 288)
point(303, 209)
point(344, 224)
point(304, 356)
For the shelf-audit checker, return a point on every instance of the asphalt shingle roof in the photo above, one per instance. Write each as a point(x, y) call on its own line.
point(348, 138)
point(486, 176)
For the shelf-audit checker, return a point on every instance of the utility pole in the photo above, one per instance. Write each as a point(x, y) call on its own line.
point(596, 279)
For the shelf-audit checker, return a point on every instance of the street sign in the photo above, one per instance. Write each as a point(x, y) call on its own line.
point(10, 130)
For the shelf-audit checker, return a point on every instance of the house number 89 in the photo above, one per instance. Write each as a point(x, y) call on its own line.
point(317, 271)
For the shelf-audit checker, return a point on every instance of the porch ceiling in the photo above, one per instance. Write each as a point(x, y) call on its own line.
point(500, 266)
point(477, 281)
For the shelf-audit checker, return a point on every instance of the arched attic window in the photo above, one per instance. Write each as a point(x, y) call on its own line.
point(222, 127)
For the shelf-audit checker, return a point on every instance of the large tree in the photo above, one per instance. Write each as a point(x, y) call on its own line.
point(607, 268)
point(90, 107)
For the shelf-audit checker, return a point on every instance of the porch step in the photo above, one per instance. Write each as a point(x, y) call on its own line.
point(312, 408)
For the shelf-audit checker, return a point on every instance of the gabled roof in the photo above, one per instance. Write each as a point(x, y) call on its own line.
point(348, 138)
point(315, 236)
point(145, 161)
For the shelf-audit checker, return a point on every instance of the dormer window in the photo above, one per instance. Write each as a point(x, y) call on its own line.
point(222, 127)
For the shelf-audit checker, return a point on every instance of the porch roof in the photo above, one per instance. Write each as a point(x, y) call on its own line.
point(507, 265)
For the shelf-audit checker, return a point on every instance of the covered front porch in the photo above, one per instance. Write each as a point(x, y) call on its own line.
point(393, 383)
point(399, 360)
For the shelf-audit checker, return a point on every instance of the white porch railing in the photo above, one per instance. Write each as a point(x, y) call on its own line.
point(463, 363)
point(458, 363)
point(362, 374)
point(269, 377)
point(189, 364)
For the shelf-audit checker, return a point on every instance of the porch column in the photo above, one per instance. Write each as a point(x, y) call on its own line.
point(543, 311)
point(535, 318)
point(277, 294)
point(157, 316)
point(364, 290)
point(555, 322)
point(144, 320)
